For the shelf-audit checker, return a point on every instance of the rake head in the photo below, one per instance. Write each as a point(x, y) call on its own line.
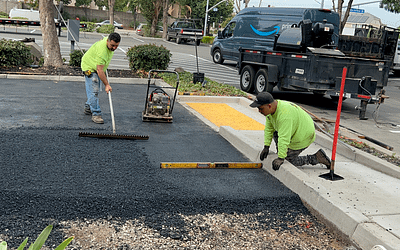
point(114, 136)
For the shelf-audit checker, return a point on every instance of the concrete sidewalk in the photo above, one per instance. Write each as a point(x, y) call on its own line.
point(364, 206)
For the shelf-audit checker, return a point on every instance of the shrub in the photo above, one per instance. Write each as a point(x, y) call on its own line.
point(207, 39)
point(148, 56)
point(108, 29)
point(90, 27)
point(14, 53)
point(75, 58)
point(3, 14)
point(134, 24)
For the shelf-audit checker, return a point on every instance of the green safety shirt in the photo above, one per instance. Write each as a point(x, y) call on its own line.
point(98, 54)
point(294, 126)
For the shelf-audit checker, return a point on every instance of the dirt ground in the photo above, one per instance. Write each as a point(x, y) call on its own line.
point(64, 71)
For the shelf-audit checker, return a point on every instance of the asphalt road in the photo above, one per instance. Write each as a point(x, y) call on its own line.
point(49, 174)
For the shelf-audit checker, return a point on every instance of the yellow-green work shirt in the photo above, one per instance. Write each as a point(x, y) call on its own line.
point(98, 54)
point(294, 126)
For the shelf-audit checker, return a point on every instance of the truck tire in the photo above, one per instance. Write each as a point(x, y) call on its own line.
point(217, 56)
point(247, 79)
point(396, 73)
point(261, 83)
point(168, 38)
point(178, 40)
point(198, 42)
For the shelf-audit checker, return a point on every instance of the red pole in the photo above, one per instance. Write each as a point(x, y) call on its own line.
point(339, 109)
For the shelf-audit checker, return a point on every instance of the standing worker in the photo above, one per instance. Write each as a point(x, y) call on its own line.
point(292, 130)
point(94, 65)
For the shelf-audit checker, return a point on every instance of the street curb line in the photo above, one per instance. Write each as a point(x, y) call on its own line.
point(118, 80)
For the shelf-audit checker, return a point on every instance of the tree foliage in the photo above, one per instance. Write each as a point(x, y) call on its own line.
point(79, 3)
point(199, 9)
point(391, 5)
point(151, 10)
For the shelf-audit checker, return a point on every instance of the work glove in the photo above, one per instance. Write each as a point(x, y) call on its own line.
point(276, 164)
point(264, 153)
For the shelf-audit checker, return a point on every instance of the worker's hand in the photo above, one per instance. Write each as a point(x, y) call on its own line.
point(276, 164)
point(108, 88)
point(264, 153)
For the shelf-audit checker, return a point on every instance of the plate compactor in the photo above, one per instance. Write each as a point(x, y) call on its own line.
point(159, 105)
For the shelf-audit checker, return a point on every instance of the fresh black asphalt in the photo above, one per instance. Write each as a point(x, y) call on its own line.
point(49, 174)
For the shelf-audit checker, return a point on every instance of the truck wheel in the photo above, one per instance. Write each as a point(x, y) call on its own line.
point(396, 73)
point(168, 38)
point(217, 56)
point(247, 79)
point(261, 82)
point(198, 42)
point(178, 40)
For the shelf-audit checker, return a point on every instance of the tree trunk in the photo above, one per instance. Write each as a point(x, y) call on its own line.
point(346, 16)
point(165, 19)
point(51, 45)
point(340, 5)
point(111, 10)
point(333, 5)
point(157, 7)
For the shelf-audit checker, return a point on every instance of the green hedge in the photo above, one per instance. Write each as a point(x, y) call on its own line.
point(14, 53)
point(107, 29)
point(75, 58)
point(207, 39)
point(148, 56)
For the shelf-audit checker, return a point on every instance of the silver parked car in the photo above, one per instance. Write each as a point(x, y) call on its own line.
point(140, 30)
point(118, 25)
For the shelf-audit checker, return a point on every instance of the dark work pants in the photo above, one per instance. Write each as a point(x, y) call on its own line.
point(293, 155)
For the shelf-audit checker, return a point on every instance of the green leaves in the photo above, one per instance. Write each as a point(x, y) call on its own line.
point(75, 58)
point(148, 56)
point(14, 53)
point(39, 242)
point(3, 245)
point(211, 88)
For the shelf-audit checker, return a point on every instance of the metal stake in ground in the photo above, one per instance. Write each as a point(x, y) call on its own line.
point(331, 175)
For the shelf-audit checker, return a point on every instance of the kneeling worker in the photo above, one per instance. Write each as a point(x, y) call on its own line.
point(292, 130)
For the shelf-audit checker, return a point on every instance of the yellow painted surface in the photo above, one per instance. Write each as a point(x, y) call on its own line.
point(222, 114)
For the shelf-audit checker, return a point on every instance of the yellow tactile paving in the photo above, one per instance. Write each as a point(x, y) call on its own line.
point(222, 114)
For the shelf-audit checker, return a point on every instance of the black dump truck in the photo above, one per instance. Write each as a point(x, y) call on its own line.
point(301, 50)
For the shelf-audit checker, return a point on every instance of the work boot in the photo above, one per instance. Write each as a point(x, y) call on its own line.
point(323, 158)
point(97, 119)
point(87, 111)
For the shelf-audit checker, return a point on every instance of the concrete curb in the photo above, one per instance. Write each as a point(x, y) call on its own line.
point(358, 227)
point(118, 80)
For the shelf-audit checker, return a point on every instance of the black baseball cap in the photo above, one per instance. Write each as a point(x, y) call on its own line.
point(261, 99)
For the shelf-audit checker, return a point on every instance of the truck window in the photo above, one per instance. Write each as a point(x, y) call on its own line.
point(228, 31)
point(185, 25)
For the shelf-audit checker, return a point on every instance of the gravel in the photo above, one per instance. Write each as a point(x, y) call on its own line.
point(112, 194)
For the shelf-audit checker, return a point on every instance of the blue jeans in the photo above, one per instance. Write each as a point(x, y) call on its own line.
point(92, 85)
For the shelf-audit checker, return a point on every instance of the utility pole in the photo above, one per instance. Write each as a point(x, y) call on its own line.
point(205, 19)
point(207, 10)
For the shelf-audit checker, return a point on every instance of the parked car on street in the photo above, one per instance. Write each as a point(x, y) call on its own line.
point(118, 25)
point(140, 30)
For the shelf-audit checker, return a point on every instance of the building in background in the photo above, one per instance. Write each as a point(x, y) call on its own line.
point(357, 20)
